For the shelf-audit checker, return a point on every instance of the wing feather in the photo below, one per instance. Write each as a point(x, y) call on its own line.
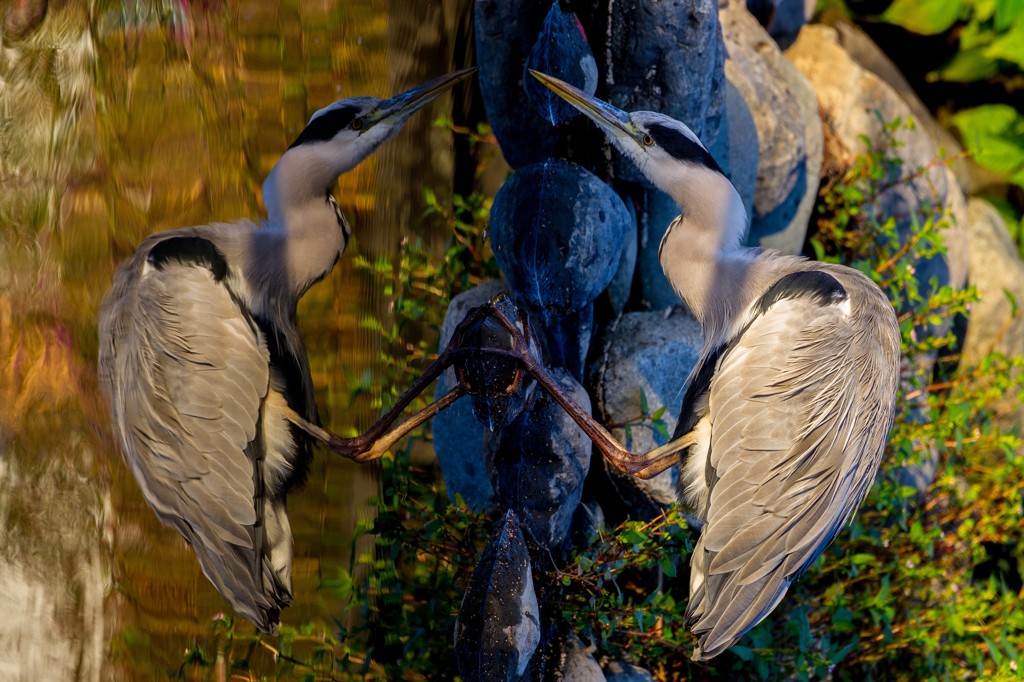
point(187, 370)
point(794, 446)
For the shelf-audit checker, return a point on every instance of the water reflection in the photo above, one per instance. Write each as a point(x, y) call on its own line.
point(118, 122)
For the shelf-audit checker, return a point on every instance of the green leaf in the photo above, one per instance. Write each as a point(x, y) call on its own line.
point(643, 402)
point(743, 652)
point(1007, 13)
point(1009, 46)
point(927, 17)
point(966, 66)
point(994, 134)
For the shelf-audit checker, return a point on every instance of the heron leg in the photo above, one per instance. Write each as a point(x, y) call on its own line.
point(642, 465)
point(378, 439)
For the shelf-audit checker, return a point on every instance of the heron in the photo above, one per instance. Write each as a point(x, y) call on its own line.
point(205, 371)
point(786, 413)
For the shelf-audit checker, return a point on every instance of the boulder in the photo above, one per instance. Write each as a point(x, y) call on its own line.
point(458, 435)
point(621, 671)
point(505, 32)
point(538, 463)
point(498, 627)
point(995, 270)
point(654, 214)
point(855, 104)
point(789, 134)
point(562, 51)
point(576, 662)
point(651, 351)
point(666, 57)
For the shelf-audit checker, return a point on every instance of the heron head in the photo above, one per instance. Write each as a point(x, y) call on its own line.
point(660, 146)
point(668, 154)
point(344, 133)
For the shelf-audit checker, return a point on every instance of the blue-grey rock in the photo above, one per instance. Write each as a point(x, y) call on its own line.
point(498, 627)
point(561, 51)
point(538, 463)
point(656, 211)
point(567, 338)
point(506, 30)
point(621, 286)
point(790, 17)
point(666, 57)
point(997, 272)
point(557, 233)
point(653, 352)
point(621, 671)
point(576, 662)
point(737, 148)
point(458, 435)
point(498, 385)
point(785, 115)
point(459, 445)
point(587, 525)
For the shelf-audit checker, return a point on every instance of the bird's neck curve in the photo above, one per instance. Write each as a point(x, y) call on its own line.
point(702, 253)
point(313, 233)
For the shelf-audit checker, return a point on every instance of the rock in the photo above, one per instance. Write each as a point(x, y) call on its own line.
point(587, 525)
point(621, 671)
point(498, 385)
point(654, 215)
point(459, 446)
point(785, 114)
point(561, 51)
point(506, 31)
point(538, 463)
point(666, 57)
point(868, 55)
point(498, 627)
point(790, 17)
point(576, 662)
point(621, 286)
point(462, 303)
point(737, 148)
point(558, 233)
point(995, 268)
point(856, 103)
point(458, 435)
point(654, 352)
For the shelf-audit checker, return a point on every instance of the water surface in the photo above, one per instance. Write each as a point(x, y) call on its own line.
point(118, 120)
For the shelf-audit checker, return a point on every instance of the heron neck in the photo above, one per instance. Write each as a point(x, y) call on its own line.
point(701, 251)
point(312, 231)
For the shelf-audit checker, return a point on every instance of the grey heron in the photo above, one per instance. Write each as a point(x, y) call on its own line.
point(203, 366)
point(787, 411)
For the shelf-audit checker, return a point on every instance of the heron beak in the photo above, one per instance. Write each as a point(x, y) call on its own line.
point(612, 120)
point(395, 110)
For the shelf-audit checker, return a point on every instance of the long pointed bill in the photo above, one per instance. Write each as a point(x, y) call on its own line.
point(612, 120)
point(395, 110)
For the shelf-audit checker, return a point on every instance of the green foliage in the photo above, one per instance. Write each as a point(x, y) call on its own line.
point(990, 34)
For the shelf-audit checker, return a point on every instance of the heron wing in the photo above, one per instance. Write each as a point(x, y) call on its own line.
point(187, 372)
point(798, 424)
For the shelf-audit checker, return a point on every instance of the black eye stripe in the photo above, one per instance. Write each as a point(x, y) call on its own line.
point(326, 126)
point(679, 146)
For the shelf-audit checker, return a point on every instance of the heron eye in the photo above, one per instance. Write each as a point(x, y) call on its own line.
point(357, 124)
point(648, 140)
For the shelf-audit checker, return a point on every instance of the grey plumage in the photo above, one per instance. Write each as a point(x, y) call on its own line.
point(791, 403)
point(204, 368)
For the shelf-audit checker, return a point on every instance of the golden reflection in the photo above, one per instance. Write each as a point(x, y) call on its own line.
point(118, 120)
